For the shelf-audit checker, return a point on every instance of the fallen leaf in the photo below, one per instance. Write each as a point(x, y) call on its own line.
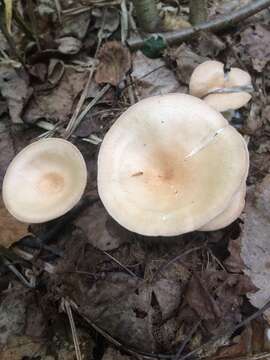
point(75, 25)
point(152, 77)
point(57, 104)
point(108, 19)
point(69, 45)
point(256, 42)
point(101, 230)
point(11, 230)
point(15, 89)
point(114, 354)
point(171, 21)
point(234, 263)
point(255, 245)
point(114, 63)
point(186, 60)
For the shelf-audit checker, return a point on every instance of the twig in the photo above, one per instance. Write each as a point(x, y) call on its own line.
point(92, 103)
point(175, 259)
point(80, 103)
point(187, 340)
point(67, 307)
point(29, 283)
point(120, 264)
point(124, 21)
point(213, 25)
point(229, 332)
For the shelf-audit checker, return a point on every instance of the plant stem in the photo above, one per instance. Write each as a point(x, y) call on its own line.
point(197, 11)
point(147, 14)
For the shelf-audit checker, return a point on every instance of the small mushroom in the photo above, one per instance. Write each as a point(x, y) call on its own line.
point(220, 88)
point(169, 165)
point(44, 181)
point(231, 213)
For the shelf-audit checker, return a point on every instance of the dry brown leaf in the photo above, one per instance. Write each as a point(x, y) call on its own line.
point(114, 63)
point(14, 88)
point(11, 230)
point(152, 77)
point(256, 42)
point(234, 263)
point(255, 250)
point(113, 354)
point(56, 104)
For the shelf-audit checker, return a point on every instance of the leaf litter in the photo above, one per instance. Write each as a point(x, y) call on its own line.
point(144, 295)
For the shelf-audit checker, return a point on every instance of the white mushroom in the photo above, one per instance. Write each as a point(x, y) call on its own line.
point(223, 90)
point(44, 181)
point(231, 213)
point(169, 165)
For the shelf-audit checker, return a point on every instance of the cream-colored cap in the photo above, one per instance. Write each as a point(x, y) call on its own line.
point(44, 181)
point(209, 78)
point(169, 165)
point(230, 214)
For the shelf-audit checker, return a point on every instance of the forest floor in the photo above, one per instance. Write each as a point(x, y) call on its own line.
point(83, 287)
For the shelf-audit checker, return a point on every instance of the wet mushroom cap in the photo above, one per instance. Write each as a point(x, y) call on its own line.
point(209, 77)
point(44, 181)
point(169, 165)
point(230, 214)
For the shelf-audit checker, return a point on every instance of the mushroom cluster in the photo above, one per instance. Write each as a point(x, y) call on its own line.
point(223, 89)
point(172, 164)
point(44, 181)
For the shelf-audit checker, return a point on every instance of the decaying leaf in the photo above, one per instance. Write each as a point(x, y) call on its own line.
point(256, 42)
point(234, 263)
point(114, 63)
point(11, 230)
point(114, 354)
point(187, 60)
point(173, 21)
point(255, 250)
point(69, 45)
point(101, 230)
point(152, 77)
point(56, 104)
point(14, 88)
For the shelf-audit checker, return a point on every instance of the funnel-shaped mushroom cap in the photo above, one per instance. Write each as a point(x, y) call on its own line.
point(231, 213)
point(44, 181)
point(169, 165)
point(209, 77)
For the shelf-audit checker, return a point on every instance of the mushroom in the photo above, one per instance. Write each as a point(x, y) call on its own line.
point(221, 89)
point(169, 165)
point(231, 213)
point(44, 181)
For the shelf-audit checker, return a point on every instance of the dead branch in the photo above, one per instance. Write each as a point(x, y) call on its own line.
point(218, 24)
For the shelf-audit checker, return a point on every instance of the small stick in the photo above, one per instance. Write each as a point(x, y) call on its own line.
point(121, 265)
point(73, 329)
point(92, 103)
point(187, 340)
point(175, 259)
point(213, 25)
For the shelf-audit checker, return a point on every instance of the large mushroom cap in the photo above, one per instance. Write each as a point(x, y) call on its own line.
point(231, 213)
point(169, 165)
point(210, 76)
point(44, 181)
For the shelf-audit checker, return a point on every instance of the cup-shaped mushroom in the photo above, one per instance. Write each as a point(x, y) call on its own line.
point(230, 214)
point(169, 165)
point(222, 89)
point(44, 181)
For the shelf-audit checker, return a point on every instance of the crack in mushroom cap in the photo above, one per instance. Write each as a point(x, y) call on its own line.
point(169, 165)
point(230, 214)
point(44, 181)
point(209, 76)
